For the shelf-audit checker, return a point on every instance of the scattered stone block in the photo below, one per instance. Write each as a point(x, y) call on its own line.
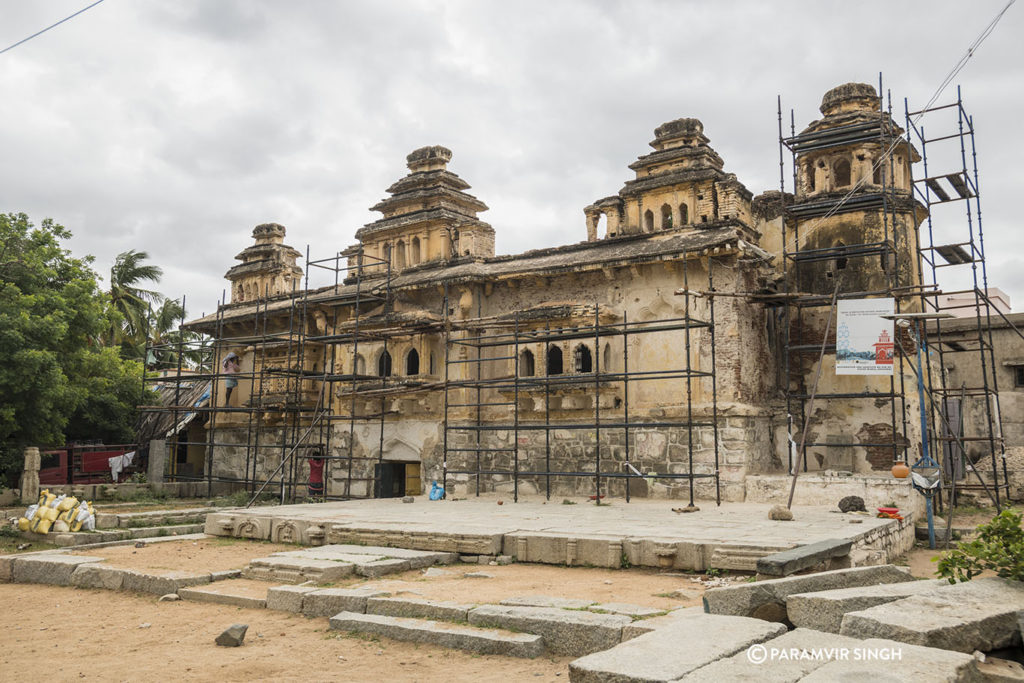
point(642, 626)
point(6, 566)
point(381, 567)
point(824, 610)
point(565, 632)
point(329, 601)
point(803, 557)
point(780, 513)
point(978, 615)
point(746, 599)
point(453, 636)
point(418, 609)
point(779, 662)
point(504, 560)
point(672, 652)
point(996, 670)
point(288, 598)
point(219, 598)
point(170, 597)
point(470, 559)
point(478, 575)
point(297, 570)
point(546, 601)
point(234, 636)
point(98, 576)
point(54, 569)
point(904, 663)
point(161, 584)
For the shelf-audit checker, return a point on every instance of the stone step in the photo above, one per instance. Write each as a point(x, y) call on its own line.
point(327, 601)
point(767, 599)
point(297, 570)
point(824, 610)
point(468, 638)
point(978, 615)
point(106, 536)
point(565, 632)
point(419, 609)
point(223, 594)
point(669, 653)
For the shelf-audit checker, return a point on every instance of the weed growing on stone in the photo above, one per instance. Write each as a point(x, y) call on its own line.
point(999, 547)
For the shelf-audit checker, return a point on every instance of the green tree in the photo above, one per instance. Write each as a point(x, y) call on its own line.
point(52, 371)
point(129, 300)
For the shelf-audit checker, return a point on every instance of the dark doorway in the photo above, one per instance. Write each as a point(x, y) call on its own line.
point(396, 479)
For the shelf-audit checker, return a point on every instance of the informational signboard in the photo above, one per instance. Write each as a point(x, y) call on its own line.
point(864, 339)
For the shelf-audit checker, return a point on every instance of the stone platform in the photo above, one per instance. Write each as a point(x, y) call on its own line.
point(644, 533)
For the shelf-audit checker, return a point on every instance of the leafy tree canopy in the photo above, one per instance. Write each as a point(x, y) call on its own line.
point(56, 379)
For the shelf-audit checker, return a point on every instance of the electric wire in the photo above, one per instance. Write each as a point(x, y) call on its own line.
point(39, 33)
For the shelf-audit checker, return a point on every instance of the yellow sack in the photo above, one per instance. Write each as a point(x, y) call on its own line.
point(49, 514)
point(68, 516)
point(41, 526)
point(67, 504)
point(23, 524)
point(47, 500)
point(42, 497)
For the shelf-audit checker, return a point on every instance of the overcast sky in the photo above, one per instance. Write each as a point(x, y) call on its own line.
point(176, 126)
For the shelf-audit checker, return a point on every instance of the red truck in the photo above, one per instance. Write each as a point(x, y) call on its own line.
point(80, 464)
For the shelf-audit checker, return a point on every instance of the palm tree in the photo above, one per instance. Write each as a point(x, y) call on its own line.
point(129, 302)
point(167, 340)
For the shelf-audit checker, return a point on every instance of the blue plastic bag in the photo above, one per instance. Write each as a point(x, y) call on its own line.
point(436, 491)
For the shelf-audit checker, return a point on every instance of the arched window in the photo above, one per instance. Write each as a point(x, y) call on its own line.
point(602, 226)
point(432, 366)
point(554, 361)
point(666, 217)
point(876, 175)
point(684, 215)
point(412, 363)
point(606, 358)
point(400, 255)
point(809, 172)
point(648, 221)
point(841, 173)
point(415, 250)
point(359, 366)
point(582, 359)
point(384, 365)
point(526, 364)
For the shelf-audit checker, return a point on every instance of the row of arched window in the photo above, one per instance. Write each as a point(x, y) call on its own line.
point(667, 219)
point(385, 367)
point(582, 361)
point(406, 254)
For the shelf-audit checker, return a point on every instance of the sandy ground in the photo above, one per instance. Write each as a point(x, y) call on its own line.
point(634, 586)
point(63, 634)
point(647, 587)
point(209, 555)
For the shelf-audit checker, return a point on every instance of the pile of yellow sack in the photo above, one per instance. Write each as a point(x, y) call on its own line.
point(58, 513)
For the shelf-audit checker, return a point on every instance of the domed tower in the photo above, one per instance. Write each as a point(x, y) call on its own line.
point(428, 217)
point(853, 214)
point(678, 186)
point(267, 268)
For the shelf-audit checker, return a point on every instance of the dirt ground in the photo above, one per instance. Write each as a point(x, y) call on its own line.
point(72, 634)
point(65, 634)
point(208, 555)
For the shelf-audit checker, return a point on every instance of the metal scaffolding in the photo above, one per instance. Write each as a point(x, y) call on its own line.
point(493, 385)
point(801, 306)
point(953, 239)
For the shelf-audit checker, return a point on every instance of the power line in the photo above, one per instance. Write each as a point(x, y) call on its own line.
point(957, 68)
point(39, 33)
